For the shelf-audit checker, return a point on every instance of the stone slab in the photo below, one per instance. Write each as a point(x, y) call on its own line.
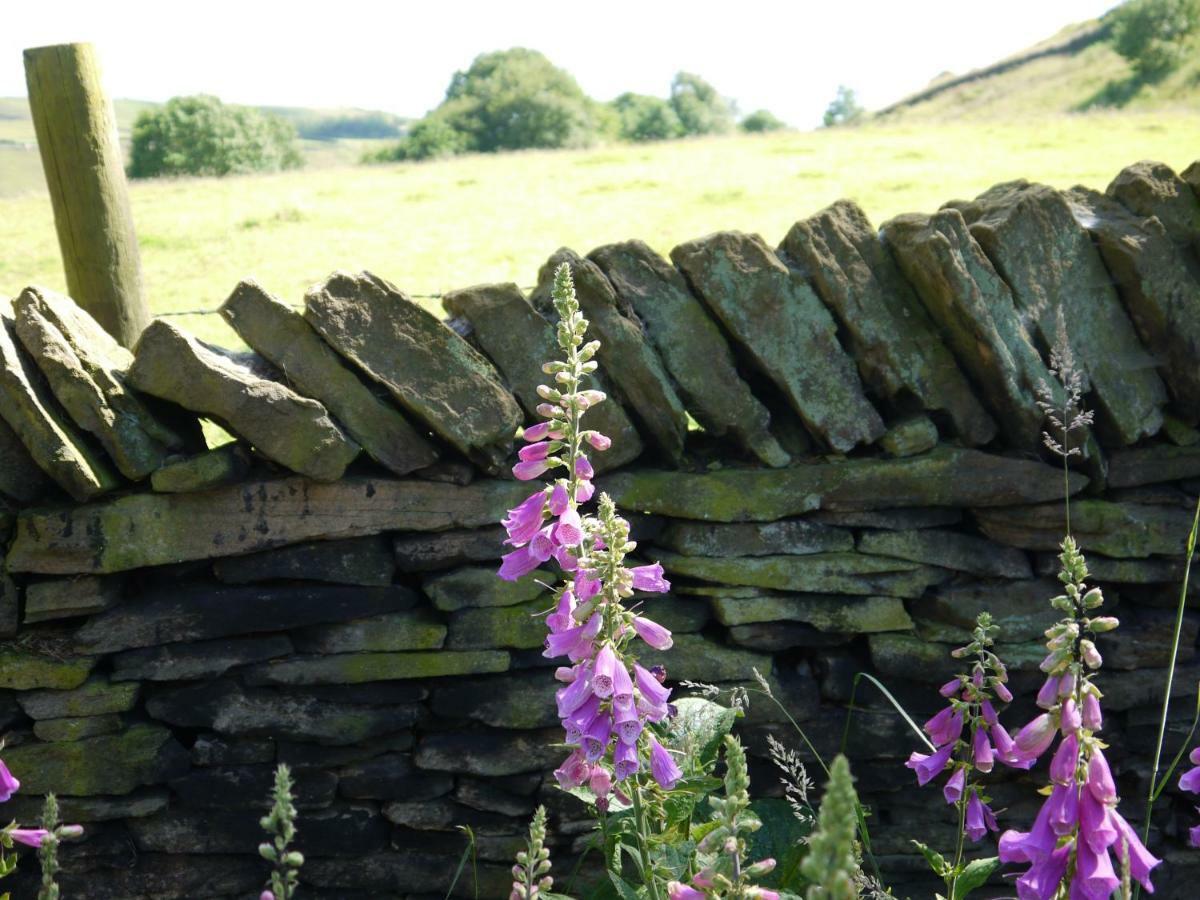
point(76, 728)
point(838, 614)
point(1153, 465)
point(62, 598)
point(1124, 530)
point(204, 659)
point(520, 627)
point(20, 478)
point(417, 629)
point(948, 549)
point(789, 536)
point(519, 700)
point(367, 561)
point(142, 755)
point(489, 753)
point(1020, 609)
point(1151, 188)
point(476, 586)
point(27, 670)
point(417, 552)
point(222, 465)
point(93, 698)
point(357, 668)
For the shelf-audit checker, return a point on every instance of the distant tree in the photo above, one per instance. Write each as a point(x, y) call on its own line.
point(762, 120)
point(701, 110)
point(1153, 34)
point(843, 109)
point(429, 138)
point(367, 125)
point(645, 118)
point(202, 136)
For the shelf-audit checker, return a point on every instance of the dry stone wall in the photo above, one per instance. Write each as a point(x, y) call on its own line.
point(834, 447)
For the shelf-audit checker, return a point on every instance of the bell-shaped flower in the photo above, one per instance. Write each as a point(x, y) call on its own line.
point(1071, 718)
point(1065, 760)
point(652, 633)
point(534, 452)
point(629, 724)
point(1031, 846)
point(583, 469)
point(573, 696)
point(598, 441)
point(569, 532)
point(650, 687)
point(525, 519)
point(622, 695)
point(1063, 805)
point(650, 578)
point(538, 432)
point(982, 754)
point(1002, 692)
point(597, 735)
point(577, 723)
point(1044, 877)
point(517, 564)
point(625, 760)
point(587, 586)
point(8, 783)
point(542, 544)
point(950, 688)
point(1035, 738)
point(945, 727)
point(584, 491)
point(677, 890)
point(980, 819)
point(600, 782)
point(1047, 696)
point(1093, 718)
point(1141, 860)
point(1099, 778)
point(574, 771)
point(1094, 876)
point(662, 766)
point(603, 671)
point(30, 837)
point(531, 469)
point(560, 619)
point(1096, 827)
point(929, 766)
point(953, 789)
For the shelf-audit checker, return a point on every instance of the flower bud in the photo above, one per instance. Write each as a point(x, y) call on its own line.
point(1093, 599)
point(1103, 623)
point(1090, 654)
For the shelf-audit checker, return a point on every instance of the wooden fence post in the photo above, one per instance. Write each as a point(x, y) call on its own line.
point(81, 154)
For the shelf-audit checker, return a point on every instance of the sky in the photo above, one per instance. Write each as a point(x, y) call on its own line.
point(788, 57)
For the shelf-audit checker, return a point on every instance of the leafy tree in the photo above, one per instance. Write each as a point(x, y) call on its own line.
point(1153, 34)
point(202, 136)
point(843, 109)
point(645, 118)
point(351, 125)
point(701, 110)
point(762, 120)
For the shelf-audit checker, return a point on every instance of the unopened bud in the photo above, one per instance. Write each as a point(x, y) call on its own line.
point(760, 868)
point(1093, 599)
point(1090, 654)
point(1102, 624)
point(548, 393)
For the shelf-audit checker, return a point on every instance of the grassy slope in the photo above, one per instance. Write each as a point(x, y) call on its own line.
point(436, 226)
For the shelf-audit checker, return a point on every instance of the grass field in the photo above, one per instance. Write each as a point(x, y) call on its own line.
point(431, 227)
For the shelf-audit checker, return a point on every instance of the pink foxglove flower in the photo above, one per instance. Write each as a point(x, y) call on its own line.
point(531, 469)
point(30, 837)
point(525, 520)
point(678, 891)
point(652, 633)
point(8, 783)
point(650, 578)
point(980, 819)
point(518, 564)
point(598, 440)
point(663, 767)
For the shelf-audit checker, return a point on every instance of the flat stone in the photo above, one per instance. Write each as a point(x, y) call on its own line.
point(10, 607)
point(944, 477)
point(76, 728)
point(246, 396)
point(888, 332)
point(839, 614)
point(627, 358)
point(356, 668)
point(157, 875)
point(910, 437)
point(26, 670)
point(93, 698)
point(220, 466)
point(1158, 284)
point(521, 627)
point(20, 478)
point(1179, 432)
point(140, 530)
point(225, 707)
point(1030, 234)
point(476, 586)
point(691, 347)
point(1144, 688)
point(52, 441)
point(281, 335)
point(391, 776)
point(63, 598)
point(250, 786)
point(408, 870)
point(141, 802)
point(1113, 529)
point(774, 637)
point(489, 753)
point(1107, 570)
point(788, 333)
point(1150, 188)
point(198, 612)
point(447, 549)
point(902, 655)
point(1144, 640)
point(141, 755)
point(438, 378)
point(1020, 609)
point(976, 316)
point(444, 814)
point(367, 561)
point(890, 519)
point(215, 750)
point(790, 536)
point(518, 339)
point(300, 754)
point(681, 615)
point(85, 368)
point(1152, 465)
point(205, 659)
point(948, 549)
point(517, 700)
point(698, 658)
point(417, 629)
point(487, 796)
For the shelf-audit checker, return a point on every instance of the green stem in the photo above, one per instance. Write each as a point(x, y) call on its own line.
point(952, 881)
point(639, 816)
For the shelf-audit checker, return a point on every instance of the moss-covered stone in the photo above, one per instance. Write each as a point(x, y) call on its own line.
point(20, 478)
point(1153, 465)
point(489, 753)
point(204, 471)
point(417, 629)
point(948, 549)
point(1150, 188)
point(110, 764)
point(477, 586)
point(76, 729)
point(907, 656)
point(355, 668)
point(521, 627)
point(367, 561)
point(517, 700)
point(1114, 529)
point(94, 698)
point(62, 598)
point(910, 437)
point(790, 536)
point(695, 657)
point(25, 670)
point(203, 659)
point(1021, 609)
point(839, 614)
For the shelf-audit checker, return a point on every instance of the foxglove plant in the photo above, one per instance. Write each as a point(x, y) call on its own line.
point(1078, 826)
point(280, 824)
point(38, 838)
point(531, 874)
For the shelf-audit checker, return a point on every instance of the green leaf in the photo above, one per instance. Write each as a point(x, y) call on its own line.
point(698, 729)
point(936, 861)
point(625, 890)
point(779, 838)
point(974, 874)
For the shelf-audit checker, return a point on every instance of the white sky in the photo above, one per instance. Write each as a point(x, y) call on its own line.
point(786, 56)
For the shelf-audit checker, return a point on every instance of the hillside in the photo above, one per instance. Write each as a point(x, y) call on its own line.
point(1076, 70)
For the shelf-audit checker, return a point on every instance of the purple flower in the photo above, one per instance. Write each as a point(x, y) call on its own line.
point(596, 737)
point(266, 895)
point(622, 695)
point(652, 633)
point(534, 452)
point(1063, 808)
point(1099, 778)
point(625, 760)
point(1071, 719)
point(569, 532)
point(1035, 738)
point(524, 520)
point(603, 671)
point(1042, 880)
point(662, 766)
point(950, 688)
point(981, 751)
point(945, 727)
point(1189, 781)
point(1094, 876)
point(574, 771)
point(599, 441)
point(558, 502)
point(1141, 861)
point(586, 586)
point(953, 788)
point(541, 546)
point(560, 619)
point(583, 469)
point(30, 837)
point(584, 491)
point(527, 471)
point(8, 783)
point(1065, 760)
point(536, 432)
point(1095, 825)
point(1093, 719)
point(1003, 692)
point(1032, 846)
point(629, 724)
point(518, 564)
point(1194, 834)
point(650, 687)
point(678, 891)
point(574, 695)
point(577, 723)
point(980, 819)
point(929, 766)
point(1048, 695)
point(600, 782)
point(650, 578)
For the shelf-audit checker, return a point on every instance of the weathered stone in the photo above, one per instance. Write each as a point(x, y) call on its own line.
point(405, 870)
point(1114, 529)
point(902, 655)
point(197, 612)
point(214, 468)
point(281, 335)
point(85, 369)
point(20, 478)
point(10, 607)
point(1158, 284)
point(391, 777)
point(448, 471)
point(436, 376)
point(141, 755)
point(448, 549)
point(681, 615)
point(76, 729)
point(33, 414)
point(152, 529)
point(977, 317)
point(1144, 688)
point(910, 437)
point(944, 477)
point(477, 586)
point(489, 752)
point(444, 814)
point(225, 707)
point(773, 637)
point(826, 613)
point(488, 796)
point(1030, 234)
point(1145, 640)
point(151, 875)
point(888, 332)
point(215, 750)
point(1105, 570)
point(521, 627)
point(246, 396)
point(790, 536)
point(834, 573)
point(27, 670)
point(779, 322)
point(691, 347)
point(698, 658)
point(627, 359)
point(417, 629)
point(1153, 189)
point(366, 561)
point(232, 787)
point(205, 659)
point(892, 519)
point(948, 549)
point(518, 339)
point(302, 754)
point(1152, 465)
point(66, 597)
point(142, 802)
point(1021, 609)
point(1178, 432)
point(355, 668)
point(93, 698)
point(518, 700)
